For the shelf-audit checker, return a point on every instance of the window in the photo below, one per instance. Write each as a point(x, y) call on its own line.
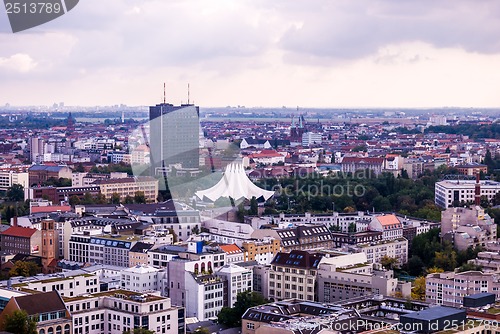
point(250, 325)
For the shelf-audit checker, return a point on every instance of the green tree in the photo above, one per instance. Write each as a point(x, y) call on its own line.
point(446, 259)
point(231, 317)
point(79, 168)
point(15, 193)
point(128, 199)
point(115, 198)
point(469, 267)
point(254, 208)
point(18, 322)
point(382, 204)
point(100, 198)
point(240, 213)
point(139, 331)
point(24, 268)
point(415, 265)
point(74, 200)
point(418, 289)
point(87, 198)
point(139, 197)
point(195, 230)
point(351, 228)
point(388, 262)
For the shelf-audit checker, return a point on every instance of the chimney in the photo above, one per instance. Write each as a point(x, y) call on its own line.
point(477, 191)
point(14, 221)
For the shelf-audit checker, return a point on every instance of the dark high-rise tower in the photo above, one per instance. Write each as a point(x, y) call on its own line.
point(174, 135)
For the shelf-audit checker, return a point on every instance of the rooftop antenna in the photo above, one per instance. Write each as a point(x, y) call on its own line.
point(164, 94)
point(188, 93)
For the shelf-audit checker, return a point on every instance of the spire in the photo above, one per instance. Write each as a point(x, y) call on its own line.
point(188, 93)
point(164, 93)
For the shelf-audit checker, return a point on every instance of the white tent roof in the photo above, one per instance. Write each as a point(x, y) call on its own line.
point(235, 184)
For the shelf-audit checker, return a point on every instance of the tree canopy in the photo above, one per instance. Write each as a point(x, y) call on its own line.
point(231, 317)
point(18, 322)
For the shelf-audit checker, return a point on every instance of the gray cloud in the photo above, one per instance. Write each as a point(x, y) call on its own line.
point(349, 30)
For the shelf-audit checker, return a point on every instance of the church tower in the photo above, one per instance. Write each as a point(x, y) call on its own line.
point(50, 242)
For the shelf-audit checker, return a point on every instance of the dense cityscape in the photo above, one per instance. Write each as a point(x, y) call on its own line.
point(188, 220)
point(249, 167)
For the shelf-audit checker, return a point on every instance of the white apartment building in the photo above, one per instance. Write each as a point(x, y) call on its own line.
point(114, 312)
point(239, 279)
point(66, 284)
point(450, 288)
point(341, 221)
point(450, 191)
point(397, 249)
point(192, 283)
point(11, 176)
point(311, 138)
point(142, 279)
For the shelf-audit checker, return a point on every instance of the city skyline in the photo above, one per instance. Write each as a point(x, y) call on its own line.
point(314, 54)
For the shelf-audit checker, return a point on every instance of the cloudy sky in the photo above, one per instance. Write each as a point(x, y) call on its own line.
point(308, 53)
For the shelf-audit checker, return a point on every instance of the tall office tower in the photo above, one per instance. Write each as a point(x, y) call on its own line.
point(174, 135)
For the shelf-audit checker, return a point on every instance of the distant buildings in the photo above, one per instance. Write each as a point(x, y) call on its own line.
point(311, 138)
point(353, 164)
point(11, 176)
point(129, 187)
point(472, 169)
point(39, 174)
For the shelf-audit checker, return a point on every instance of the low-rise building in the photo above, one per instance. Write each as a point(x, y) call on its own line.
point(234, 254)
point(295, 316)
point(451, 192)
point(375, 251)
point(450, 288)
point(349, 276)
point(389, 225)
point(129, 187)
point(113, 312)
point(21, 240)
point(262, 251)
point(47, 308)
point(293, 275)
point(141, 279)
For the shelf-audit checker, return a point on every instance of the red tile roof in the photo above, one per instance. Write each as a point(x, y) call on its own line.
point(230, 249)
point(388, 220)
point(51, 208)
point(16, 231)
